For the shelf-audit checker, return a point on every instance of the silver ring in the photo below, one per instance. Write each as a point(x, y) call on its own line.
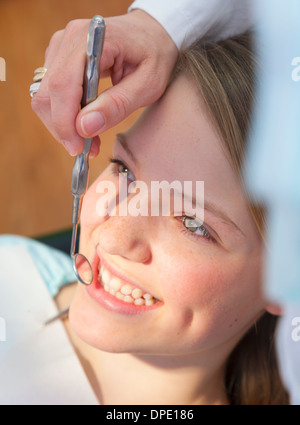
point(34, 88)
point(38, 76)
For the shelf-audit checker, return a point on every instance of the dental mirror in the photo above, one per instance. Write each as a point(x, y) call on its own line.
point(82, 269)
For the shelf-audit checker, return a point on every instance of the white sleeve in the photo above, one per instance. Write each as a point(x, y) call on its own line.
point(187, 20)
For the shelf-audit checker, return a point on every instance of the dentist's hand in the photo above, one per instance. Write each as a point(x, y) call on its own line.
point(139, 56)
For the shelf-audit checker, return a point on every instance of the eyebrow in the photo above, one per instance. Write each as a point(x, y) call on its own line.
point(208, 206)
point(216, 211)
point(123, 142)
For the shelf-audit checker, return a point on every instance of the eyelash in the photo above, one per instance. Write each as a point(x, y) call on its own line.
point(184, 230)
point(118, 162)
point(191, 234)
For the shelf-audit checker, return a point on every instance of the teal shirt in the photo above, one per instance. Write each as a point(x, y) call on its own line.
point(54, 265)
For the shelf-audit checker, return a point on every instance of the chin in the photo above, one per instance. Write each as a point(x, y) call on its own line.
point(94, 329)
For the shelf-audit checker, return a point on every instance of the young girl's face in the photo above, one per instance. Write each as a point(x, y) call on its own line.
point(203, 281)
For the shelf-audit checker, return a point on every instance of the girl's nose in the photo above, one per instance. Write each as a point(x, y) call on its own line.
point(126, 237)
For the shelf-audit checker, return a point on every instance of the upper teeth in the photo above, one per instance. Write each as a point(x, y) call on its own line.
point(123, 291)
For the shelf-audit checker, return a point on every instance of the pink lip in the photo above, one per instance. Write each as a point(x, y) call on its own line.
point(108, 301)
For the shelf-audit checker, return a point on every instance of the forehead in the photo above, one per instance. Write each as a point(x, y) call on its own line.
point(175, 139)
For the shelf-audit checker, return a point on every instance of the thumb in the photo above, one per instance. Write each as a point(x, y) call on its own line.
point(116, 103)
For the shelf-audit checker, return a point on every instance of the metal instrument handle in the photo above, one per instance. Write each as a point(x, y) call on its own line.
point(95, 40)
point(94, 47)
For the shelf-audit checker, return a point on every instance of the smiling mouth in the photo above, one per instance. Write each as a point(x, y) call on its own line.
point(122, 290)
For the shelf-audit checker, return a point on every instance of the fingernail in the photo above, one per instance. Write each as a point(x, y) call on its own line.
point(73, 151)
point(92, 122)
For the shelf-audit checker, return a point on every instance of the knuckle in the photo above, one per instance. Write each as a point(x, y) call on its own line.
point(153, 82)
point(121, 104)
point(56, 81)
point(71, 25)
point(54, 42)
point(56, 37)
point(74, 27)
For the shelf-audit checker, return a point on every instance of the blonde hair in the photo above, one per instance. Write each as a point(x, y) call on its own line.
point(224, 73)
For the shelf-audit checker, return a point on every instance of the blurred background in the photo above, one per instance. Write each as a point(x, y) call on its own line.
point(35, 170)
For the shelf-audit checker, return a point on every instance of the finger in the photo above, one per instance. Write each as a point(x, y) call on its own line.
point(95, 147)
point(65, 101)
point(45, 104)
point(53, 47)
point(64, 85)
point(116, 103)
point(42, 106)
point(41, 103)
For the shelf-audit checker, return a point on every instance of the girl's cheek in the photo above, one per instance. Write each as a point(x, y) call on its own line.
point(207, 282)
point(90, 215)
point(193, 284)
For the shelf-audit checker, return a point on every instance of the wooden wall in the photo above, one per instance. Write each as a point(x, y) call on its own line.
point(35, 170)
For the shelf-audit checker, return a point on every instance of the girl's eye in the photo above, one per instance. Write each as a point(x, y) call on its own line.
point(122, 169)
point(194, 226)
